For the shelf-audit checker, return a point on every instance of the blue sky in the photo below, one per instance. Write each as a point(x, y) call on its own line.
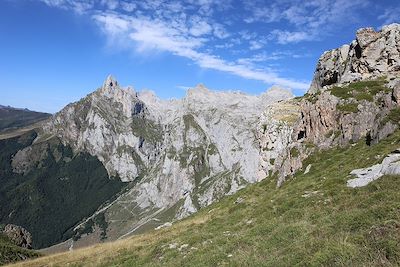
point(56, 51)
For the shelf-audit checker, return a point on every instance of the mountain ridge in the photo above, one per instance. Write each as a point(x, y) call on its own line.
point(179, 156)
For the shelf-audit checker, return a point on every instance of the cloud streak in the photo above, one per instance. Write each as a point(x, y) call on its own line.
point(309, 20)
point(185, 29)
point(149, 35)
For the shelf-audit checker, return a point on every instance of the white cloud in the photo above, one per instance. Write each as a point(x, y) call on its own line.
point(169, 27)
point(199, 26)
point(183, 87)
point(284, 37)
point(155, 35)
point(255, 45)
point(220, 31)
point(79, 6)
point(128, 7)
point(304, 20)
point(110, 4)
point(390, 15)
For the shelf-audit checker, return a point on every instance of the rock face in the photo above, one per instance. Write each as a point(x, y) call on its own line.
point(18, 235)
point(177, 155)
point(372, 54)
point(354, 95)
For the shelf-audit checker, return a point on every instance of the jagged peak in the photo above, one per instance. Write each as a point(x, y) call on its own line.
point(110, 81)
point(201, 87)
point(275, 89)
point(372, 54)
point(112, 89)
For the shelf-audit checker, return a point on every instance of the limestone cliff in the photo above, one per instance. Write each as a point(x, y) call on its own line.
point(371, 55)
point(354, 95)
point(176, 155)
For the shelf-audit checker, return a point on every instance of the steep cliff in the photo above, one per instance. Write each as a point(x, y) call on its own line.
point(354, 95)
point(371, 55)
point(175, 156)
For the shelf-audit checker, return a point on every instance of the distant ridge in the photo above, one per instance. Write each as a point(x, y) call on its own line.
point(13, 118)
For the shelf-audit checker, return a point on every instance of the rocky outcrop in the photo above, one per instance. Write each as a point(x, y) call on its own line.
point(354, 96)
point(389, 166)
point(275, 135)
point(371, 55)
point(18, 235)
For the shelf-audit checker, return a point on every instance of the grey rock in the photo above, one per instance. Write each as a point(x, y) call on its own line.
point(389, 166)
point(188, 152)
point(372, 54)
point(18, 235)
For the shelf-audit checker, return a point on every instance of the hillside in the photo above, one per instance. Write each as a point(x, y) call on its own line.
point(56, 194)
point(314, 219)
point(9, 252)
point(12, 118)
point(119, 163)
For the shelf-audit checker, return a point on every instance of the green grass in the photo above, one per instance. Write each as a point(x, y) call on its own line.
point(294, 152)
point(312, 220)
point(362, 90)
point(12, 253)
point(393, 116)
point(312, 97)
point(348, 107)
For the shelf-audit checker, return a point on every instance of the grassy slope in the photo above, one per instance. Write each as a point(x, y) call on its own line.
point(312, 220)
point(10, 252)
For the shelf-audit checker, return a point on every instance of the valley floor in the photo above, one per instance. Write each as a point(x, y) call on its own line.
point(314, 219)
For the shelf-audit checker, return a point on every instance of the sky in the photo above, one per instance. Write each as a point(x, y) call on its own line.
point(54, 52)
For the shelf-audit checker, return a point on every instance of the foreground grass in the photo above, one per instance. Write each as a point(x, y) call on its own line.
point(312, 220)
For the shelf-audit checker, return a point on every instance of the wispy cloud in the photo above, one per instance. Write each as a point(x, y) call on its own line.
point(390, 15)
point(183, 87)
point(285, 37)
point(148, 35)
point(186, 29)
point(308, 20)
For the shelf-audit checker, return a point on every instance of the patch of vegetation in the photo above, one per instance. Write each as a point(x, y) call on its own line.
point(100, 220)
point(11, 253)
point(87, 228)
point(294, 152)
point(148, 130)
point(49, 200)
point(329, 134)
point(362, 90)
point(348, 107)
point(312, 97)
point(314, 219)
point(393, 116)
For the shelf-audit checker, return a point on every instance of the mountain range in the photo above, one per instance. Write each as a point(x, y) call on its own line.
point(119, 162)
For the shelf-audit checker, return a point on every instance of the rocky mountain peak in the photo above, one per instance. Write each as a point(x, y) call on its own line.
point(276, 93)
point(372, 54)
point(110, 81)
point(112, 89)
